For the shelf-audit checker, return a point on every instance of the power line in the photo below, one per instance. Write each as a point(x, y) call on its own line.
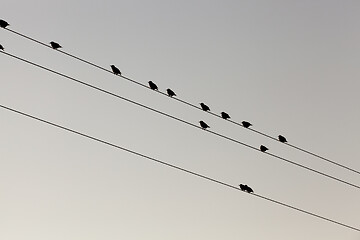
point(190, 104)
point(175, 167)
point(183, 121)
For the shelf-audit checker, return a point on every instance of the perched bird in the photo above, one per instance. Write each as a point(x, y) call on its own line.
point(282, 139)
point(170, 92)
point(203, 125)
point(263, 148)
point(153, 86)
point(55, 45)
point(246, 124)
point(115, 70)
point(204, 107)
point(3, 24)
point(224, 115)
point(1, 47)
point(246, 188)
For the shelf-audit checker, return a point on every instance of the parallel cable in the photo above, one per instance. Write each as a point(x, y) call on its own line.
point(189, 104)
point(181, 120)
point(176, 167)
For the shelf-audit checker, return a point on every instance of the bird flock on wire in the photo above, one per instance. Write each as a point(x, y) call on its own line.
point(171, 93)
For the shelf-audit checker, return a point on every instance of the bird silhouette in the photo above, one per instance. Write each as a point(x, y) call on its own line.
point(204, 107)
point(224, 115)
point(170, 92)
point(153, 85)
point(203, 125)
point(246, 188)
point(263, 148)
point(1, 47)
point(55, 45)
point(115, 70)
point(3, 24)
point(246, 124)
point(282, 139)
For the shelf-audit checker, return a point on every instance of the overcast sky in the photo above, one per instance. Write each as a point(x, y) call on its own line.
point(288, 67)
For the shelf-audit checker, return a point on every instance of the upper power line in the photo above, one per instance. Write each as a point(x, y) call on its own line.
point(213, 180)
point(171, 93)
point(203, 125)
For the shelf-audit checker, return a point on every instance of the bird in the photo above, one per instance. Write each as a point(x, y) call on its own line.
point(153, 85)
point(3, 24)
point(282, 139)
point(1, 47)
point(203, 125)
point(263, 148)
point(246, 124)
point(170, 92)
point(224, 115)
point(248, 189)
point(115, 70)
point(55, 45)
point(204, 107)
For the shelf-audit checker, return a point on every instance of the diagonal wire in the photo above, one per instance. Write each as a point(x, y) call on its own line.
point(183, 121)
point(190, 104)
point(176, 167)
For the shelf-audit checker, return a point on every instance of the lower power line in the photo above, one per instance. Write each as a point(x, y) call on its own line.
point(213, 180)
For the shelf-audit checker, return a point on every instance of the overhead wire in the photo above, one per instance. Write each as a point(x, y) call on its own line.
point(174, 166)
point(181, 120)
point(190, 104)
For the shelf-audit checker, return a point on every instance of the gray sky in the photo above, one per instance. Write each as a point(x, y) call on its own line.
point(289, 67)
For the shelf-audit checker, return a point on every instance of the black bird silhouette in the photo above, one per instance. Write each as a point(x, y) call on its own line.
point(3, 24)
point(153, 86)
point(263, 148)
point(115, 70)
point(246, 124)
point(170, 92)
point(246, 188)
point(203, 125)
point(1, 47)
point(204, 107)
point(282, 139)
point(55, 45)
point(224, 115)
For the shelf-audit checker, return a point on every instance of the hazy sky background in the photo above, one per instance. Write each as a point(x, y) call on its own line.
point(289, 67)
